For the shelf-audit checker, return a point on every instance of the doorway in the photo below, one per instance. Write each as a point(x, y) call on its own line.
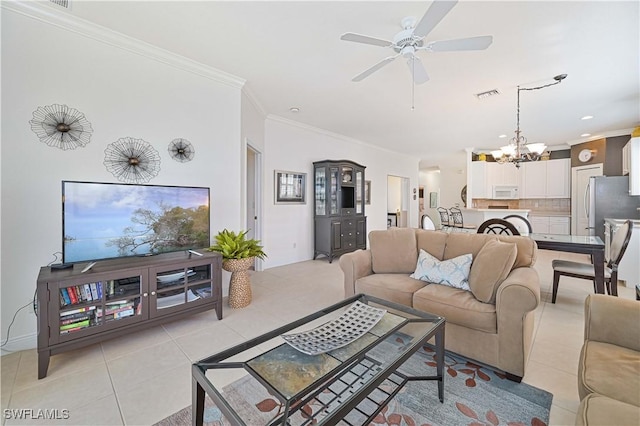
point(580, 197)
point(254, 197)
point(397, 201)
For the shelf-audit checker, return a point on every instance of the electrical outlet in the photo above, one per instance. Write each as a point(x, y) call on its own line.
point(535, 205)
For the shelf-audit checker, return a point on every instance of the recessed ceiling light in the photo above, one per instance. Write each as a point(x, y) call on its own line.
point(584, 135)
point(587, 117)
point(294, 109)
point(502, 136)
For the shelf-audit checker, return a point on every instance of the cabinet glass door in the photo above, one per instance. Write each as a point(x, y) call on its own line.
point(176, 287)
point(321, 195)
point(89, 305)
point(122, 299)
point(333, 191)
point(359, 192)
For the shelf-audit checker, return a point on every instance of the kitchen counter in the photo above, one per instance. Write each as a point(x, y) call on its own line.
point(549, 213)
point(477, 216)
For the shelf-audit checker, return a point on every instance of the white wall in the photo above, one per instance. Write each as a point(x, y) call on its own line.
point(122, 94)
point(453, 177)
point(394, 194)
point(294, 147)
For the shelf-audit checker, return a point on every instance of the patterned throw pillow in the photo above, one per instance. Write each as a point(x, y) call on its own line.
point(453, 272)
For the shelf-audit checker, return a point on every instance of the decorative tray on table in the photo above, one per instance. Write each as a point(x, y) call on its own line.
point(352, 324)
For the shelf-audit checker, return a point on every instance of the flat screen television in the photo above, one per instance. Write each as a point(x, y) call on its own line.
point(109, 220)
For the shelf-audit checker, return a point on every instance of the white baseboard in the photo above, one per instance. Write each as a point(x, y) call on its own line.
point(21, 343)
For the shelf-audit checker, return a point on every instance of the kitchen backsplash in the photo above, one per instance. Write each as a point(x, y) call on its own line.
point(533, 204)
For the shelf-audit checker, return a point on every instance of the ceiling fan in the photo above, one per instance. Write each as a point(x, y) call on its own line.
point(412, 39)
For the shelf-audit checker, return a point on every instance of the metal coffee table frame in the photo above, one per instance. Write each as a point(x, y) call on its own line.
point(358, 365)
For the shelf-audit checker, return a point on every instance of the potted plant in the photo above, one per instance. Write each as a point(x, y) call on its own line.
point(238, 254)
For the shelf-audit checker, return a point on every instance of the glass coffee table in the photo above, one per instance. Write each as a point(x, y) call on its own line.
point(274, 383)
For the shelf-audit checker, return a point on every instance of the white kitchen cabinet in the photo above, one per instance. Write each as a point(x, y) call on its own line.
point(479, 187)
point(485, 175)
point(534, 179)
point(558, 183)
point(559, 225)
point(539, 224)
point(546, 179)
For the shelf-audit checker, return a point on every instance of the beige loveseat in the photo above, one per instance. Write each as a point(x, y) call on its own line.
point(492, 323)
point(609, 367)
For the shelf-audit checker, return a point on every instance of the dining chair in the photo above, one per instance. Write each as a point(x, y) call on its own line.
point(585, 271)
point(498, 227)
point(427, 223)
point(458, 220)
point(521, 223)
point(444, 217)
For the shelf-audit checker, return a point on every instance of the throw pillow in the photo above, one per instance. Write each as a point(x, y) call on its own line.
point(452, 272)
point(490, 268)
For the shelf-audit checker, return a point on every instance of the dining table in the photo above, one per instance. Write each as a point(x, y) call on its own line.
point(592, 245)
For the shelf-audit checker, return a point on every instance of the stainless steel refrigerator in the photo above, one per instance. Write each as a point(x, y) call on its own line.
point(608, 197)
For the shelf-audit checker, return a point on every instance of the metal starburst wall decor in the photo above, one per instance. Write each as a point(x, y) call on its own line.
point(132, 160)
point(181, 150)
point(61, 127)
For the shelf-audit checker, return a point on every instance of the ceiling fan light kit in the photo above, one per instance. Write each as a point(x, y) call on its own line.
point(518, 150)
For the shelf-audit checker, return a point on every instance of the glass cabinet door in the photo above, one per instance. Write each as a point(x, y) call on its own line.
point(333, 191)
point(321, 194)
point(176, 287)
point(359, 192)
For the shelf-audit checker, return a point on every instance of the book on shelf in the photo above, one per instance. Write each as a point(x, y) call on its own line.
point(75, 311)
point(77, 324)
point(99, 289)
point(94, 292)
point(80, 316)
point(87, 291)
point(65, 296)
point(73, 295)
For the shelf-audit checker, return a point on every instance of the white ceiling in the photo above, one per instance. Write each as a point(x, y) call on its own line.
point(291, 55)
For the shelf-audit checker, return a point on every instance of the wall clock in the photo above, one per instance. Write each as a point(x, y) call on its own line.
point(585, 155)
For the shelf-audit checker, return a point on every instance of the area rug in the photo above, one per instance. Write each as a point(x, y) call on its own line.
point(474, 395)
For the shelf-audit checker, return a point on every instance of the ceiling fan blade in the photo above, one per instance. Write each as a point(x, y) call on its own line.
point(471, 43)
point(417, 70)
point(374, 68)
point(433, 16)
point(359, 38)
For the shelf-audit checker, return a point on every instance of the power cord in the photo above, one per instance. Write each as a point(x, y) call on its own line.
point(33, 303)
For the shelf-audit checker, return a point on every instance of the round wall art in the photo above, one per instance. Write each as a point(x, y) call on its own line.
point(181, 150)
point(132, 160)
point(61, 127)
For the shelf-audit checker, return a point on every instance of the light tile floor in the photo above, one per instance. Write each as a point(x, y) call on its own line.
point(144, 377)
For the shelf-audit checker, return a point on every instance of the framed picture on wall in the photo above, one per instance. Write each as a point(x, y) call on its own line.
point(367, 192)
point(433, 200)
point(290, 187)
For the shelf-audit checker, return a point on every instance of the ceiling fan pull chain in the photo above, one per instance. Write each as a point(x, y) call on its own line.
point(413, 83)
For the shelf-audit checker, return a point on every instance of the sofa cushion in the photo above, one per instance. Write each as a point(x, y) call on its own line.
point(393, 251)
point(609, 370)
point(459, 243)
point(457, 306)
point(397, 288)
point(597, 409)
point(452, 272)
point(433, 242)
point(490, 268)
point(527, 249)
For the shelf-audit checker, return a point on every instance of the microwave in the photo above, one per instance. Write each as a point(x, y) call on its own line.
point(505, 192)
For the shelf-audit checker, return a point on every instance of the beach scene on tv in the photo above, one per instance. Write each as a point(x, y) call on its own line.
point(103, 220)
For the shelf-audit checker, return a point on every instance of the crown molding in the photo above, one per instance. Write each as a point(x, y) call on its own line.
point(254, 100)
point(63, 19)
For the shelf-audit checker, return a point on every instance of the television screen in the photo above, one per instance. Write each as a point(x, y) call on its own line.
point(107, 220)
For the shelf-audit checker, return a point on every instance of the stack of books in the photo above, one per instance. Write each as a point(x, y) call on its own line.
point(117, 310)
point(76, 319)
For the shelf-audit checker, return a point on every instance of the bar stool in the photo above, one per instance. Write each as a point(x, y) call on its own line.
point(458, 220)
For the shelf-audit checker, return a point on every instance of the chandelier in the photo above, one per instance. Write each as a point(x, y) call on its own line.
point(518, 150)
